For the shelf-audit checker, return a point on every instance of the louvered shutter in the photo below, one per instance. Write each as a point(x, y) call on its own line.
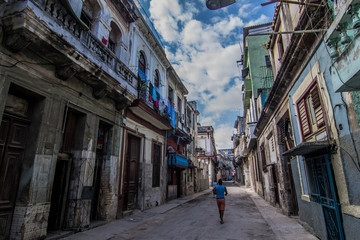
point(303, 118)
point(318, 111)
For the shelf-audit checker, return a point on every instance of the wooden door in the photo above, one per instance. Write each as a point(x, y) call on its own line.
point(13, 132)
point(131, 177)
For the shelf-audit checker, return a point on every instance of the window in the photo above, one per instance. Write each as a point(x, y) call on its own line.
point(157, 79)
point(263, 156)
point(171, 96)
point(114, 37)
point(280, 47)
point(142, 66)
point(267, 61)
point(188, 117)
point(179, 107)
point(156, 165)
point(303, 177)
point(310, 111)
point(89, 11)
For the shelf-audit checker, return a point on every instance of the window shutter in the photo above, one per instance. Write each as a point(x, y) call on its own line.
point(318, 111)
point(303, 118)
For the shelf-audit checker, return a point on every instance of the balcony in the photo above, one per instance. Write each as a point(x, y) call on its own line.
point(151, 107)
point(247, 92)
point(176, 160)
point(61, 40)
point(343, 39)
point(251, 138)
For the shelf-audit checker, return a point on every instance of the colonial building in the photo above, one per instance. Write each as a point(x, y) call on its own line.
point(144, 169)
point(309, 125)
point(207, 157)
point(242, 173)
point(178, 138)
point(225, 166)
point(85, 115)
point(192, 183)
point(64, 84)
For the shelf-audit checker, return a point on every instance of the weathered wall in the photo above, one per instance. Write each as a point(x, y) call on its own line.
point(310, 213)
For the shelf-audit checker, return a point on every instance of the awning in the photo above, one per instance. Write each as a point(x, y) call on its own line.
point(176, 160)
point(307, 148)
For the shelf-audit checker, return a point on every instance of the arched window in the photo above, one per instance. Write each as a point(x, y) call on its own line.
point(114, 37)
point(157, 78)
point(142, 66)
point(90, 10)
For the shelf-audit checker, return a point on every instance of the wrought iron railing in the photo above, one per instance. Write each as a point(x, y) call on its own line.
point(97, 48)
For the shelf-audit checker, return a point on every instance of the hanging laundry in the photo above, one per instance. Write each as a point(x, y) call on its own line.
point(157, 99)
point(172, 117)
point(142, 75)
point(154, 93)
point(151, 88)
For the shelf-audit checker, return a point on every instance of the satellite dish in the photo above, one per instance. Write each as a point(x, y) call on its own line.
point(216, 4)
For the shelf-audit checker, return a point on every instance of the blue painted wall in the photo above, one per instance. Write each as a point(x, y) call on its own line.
point(311, 212)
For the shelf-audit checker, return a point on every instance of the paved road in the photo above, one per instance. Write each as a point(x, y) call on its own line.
point(247, 216)
point(199, 219)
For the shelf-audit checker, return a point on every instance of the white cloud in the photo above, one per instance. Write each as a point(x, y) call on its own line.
point(205, 58)
point(262, 19)
point(245, 10)
point(223, 135)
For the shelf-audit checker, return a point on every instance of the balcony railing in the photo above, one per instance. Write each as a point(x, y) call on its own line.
point(98, 49)
point(251, 138)
point(151, 96)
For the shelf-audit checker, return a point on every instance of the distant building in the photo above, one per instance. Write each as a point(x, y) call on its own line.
point(206, 149)
point(225, 168)
point(86, 116)
point(308, 129)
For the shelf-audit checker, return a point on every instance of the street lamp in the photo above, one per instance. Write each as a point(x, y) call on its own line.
point(216, 4)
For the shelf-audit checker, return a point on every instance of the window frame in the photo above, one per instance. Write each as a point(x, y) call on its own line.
point(310, 105)
point(156, 163)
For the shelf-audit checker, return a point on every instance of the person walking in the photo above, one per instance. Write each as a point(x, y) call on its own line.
point(220, 191)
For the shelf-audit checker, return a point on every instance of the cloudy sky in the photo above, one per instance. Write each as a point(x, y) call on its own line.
point(203, 46)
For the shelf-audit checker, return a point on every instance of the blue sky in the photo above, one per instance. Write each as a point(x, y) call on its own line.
point(203, 46)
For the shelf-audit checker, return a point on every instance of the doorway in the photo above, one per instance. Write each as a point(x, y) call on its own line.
point(131, 173)
point(73, 120)
point(275, 189)
point(101, 153)
point(59, 193)
point(323, 191)
point(13, 135)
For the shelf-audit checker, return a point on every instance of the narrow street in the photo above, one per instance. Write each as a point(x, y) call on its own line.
point(247, 216)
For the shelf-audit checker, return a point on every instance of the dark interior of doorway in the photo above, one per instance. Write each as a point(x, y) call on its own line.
point(101, 153)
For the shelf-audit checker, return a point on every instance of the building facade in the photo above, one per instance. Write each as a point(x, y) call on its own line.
point(242, 172)
point(225, 168)
point(65, 82)
point(85, 115)
point(207, 156)
point(309, 126)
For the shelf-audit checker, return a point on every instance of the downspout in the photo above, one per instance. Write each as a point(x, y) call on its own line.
point(165, 166)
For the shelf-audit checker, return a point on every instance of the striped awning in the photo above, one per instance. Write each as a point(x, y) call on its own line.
point(177, 160)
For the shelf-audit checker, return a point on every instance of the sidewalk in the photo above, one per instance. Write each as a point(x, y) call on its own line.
point(283, 226)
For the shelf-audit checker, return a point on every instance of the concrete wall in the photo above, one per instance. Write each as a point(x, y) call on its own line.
point(345, 174)
point(34, 197)
point(149, 196)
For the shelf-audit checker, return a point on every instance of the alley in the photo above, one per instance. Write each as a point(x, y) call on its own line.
point(246, 217)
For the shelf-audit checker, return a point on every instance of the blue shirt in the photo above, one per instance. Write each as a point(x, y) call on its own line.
point(220, 191)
